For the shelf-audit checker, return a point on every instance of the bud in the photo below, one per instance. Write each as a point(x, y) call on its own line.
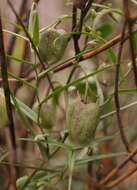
point(82, 121)
point(53, 43)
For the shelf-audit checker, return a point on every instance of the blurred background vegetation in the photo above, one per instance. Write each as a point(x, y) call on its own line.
point(45, 158)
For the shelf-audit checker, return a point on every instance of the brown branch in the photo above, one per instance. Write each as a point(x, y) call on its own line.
point(86, 56)
point(75, 40)
point(91, 185)
point(131, 39)
point(122, 178)
point(74, 24)
point(4, 73)
point(116, 94)
point(92, 53)
point(97, 51)
point(78, 29)
point(119, 167)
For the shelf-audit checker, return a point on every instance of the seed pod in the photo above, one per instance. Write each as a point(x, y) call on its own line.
point(53, 43)
point(47, 115)
point(82, 121)
point(3, 112)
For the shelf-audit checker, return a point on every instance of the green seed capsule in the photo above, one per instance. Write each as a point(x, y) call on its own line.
point(82, 121)
point(48, 116)
point(53, 43)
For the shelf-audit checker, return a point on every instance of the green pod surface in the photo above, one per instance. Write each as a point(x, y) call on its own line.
point(52, 45)
point(82, 121)
point(48, 116)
